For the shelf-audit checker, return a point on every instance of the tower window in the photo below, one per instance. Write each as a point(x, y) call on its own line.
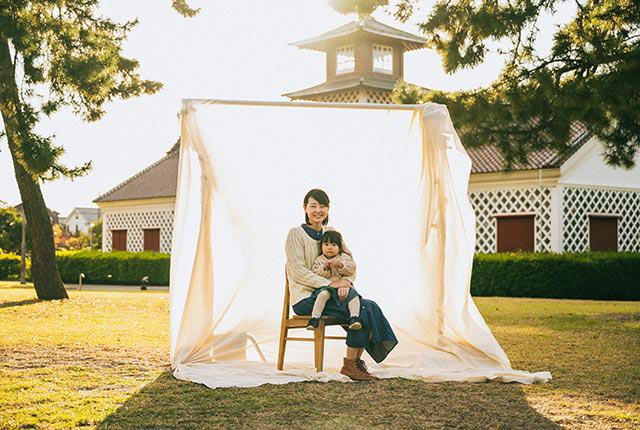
point(383, 59)
point(345, 60)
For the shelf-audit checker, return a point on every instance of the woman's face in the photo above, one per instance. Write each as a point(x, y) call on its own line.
point(315, 211)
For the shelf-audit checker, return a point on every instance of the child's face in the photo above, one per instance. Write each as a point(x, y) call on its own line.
point(330, 249)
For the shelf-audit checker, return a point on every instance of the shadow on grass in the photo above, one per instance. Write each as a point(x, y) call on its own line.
point(20, 303)
point(386, 404)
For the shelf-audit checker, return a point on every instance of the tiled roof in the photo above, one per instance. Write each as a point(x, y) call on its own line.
point(158, 180)
point(367, 25)
point(488, 159)
point(343, 83)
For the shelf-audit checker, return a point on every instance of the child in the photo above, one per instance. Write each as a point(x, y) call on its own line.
point(334, 264)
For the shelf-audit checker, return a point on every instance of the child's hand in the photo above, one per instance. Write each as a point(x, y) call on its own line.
point(326, 266)
point(337, 264)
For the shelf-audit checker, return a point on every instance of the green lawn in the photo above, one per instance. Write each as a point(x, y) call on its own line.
point(100, 360)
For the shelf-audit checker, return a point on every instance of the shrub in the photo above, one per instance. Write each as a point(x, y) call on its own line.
point(589, 275)
point(10, 267)
point(117, 268)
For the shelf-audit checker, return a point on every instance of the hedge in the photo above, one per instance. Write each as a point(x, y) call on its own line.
point(116, 268)
point(597, 275)
point(590, 275)
point(10, 267)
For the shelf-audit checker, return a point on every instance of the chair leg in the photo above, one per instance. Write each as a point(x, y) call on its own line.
point(281, 347)
point(319, 346)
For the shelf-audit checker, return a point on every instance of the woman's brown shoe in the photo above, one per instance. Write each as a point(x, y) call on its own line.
point(353, 371)
point(360, 364)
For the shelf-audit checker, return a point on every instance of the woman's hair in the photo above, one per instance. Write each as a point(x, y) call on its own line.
point(331, 236)
point(321, 197)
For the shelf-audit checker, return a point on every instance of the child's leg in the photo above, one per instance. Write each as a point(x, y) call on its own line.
point(354, 307)
point(320, 303)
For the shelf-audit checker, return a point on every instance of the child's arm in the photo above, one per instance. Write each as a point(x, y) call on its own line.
point(348, 265)
point(318, 267)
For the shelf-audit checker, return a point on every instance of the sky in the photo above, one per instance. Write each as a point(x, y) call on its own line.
point(232, 50)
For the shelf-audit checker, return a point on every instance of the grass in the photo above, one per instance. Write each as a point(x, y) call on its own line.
point(100, 360)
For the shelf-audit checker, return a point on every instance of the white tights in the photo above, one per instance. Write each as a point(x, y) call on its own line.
point(321, 301)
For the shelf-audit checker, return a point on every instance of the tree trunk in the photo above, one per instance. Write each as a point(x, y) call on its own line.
point(44, 270)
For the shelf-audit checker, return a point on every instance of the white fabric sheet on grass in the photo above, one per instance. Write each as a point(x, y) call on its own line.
point(397, 178)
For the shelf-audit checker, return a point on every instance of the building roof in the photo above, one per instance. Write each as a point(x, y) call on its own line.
point(344, 83)
point(367, 25)
point(90, 214)
point(488, 159)
point(158, 180)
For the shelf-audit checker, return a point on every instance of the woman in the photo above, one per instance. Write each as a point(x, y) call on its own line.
point(301, 249)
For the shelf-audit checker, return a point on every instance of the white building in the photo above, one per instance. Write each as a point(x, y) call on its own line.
point(138, 213)
point(82, 219)
point(574, 203)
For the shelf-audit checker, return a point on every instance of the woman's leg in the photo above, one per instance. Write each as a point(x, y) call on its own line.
point(352, 353)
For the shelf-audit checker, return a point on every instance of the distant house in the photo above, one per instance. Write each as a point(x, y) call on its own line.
point(138, 213)
point(81, 219)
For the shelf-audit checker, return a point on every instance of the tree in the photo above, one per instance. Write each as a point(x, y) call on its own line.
point(96, 236)
point(362, 7)
point(78, 242)
point(10, 230)
point(64, 50)
point(60, 237)
point(590, 75)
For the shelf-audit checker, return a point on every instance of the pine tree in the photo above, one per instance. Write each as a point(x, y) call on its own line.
point(591, 75)
point(362, 7)
point(75, 54)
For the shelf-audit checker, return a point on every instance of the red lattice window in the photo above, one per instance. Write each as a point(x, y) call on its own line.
point(516, 233)
point(603, 233)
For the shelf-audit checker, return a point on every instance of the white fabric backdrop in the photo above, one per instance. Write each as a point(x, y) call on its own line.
point(397, 178)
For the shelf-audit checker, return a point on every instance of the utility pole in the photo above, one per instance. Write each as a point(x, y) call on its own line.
point(23, 252)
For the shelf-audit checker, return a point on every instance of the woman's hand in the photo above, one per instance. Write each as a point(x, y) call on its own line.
point(342, 285)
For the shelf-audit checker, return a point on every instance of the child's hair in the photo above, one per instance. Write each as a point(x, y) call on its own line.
point(331, 236)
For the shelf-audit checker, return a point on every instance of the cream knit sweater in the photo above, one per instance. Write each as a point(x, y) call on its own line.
point(301, 252)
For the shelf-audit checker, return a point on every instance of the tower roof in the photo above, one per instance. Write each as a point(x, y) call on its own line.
point(345, 83)
point(366, 25)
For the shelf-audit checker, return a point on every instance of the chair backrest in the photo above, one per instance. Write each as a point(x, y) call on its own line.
point(285, 308)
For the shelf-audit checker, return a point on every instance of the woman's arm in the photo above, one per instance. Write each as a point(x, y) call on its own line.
point(296, 266)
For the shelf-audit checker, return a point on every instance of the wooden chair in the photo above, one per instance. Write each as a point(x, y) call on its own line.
point(300, 321)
